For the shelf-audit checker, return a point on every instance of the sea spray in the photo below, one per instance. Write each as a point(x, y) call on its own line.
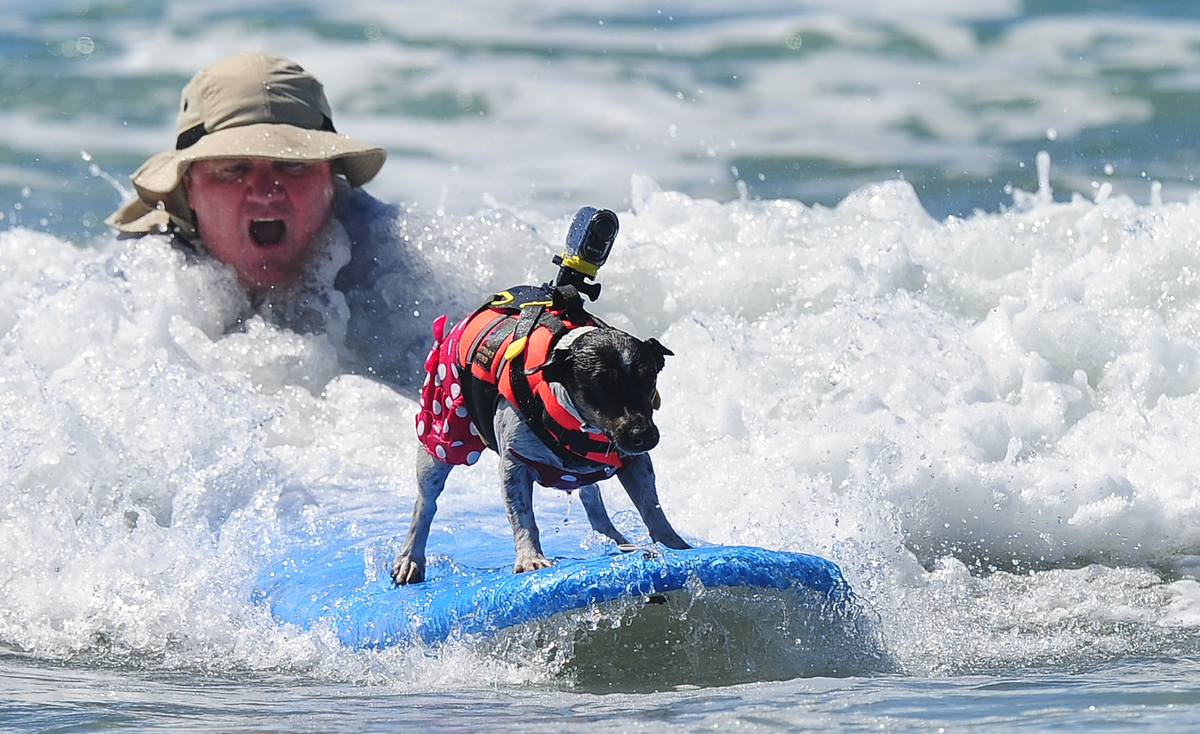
point(963, 414)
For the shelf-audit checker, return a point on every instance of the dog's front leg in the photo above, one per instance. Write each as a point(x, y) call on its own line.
point(517, 480)
point(639, 483)
point(593, 505)
point(409, 564)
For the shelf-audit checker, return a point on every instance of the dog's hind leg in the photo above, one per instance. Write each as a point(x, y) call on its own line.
point(593, 505)
point(409, 564)
point(638, 480)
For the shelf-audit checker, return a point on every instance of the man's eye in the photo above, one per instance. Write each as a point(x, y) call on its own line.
point(294, 168)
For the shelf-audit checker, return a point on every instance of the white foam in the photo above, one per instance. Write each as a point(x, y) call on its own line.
point(1015, 390)
point(1004, 391)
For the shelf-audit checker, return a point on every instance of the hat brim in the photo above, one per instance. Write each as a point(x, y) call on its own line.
point(158, 179)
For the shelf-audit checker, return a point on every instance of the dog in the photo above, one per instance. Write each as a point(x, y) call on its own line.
point(564, 399)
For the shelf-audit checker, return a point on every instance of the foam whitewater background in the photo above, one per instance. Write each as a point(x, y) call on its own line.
point(966, 372)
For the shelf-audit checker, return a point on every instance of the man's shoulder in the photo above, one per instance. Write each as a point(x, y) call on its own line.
point(356, 206)
point(134, 219)
point(379, 235)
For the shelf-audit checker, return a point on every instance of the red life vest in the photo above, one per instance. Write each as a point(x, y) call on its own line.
point(499, 351)
point(503, 348)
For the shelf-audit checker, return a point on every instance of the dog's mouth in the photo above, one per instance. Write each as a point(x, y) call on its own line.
point(635, 445)
point(267, 232)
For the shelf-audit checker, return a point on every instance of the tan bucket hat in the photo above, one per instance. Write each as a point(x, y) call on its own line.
point(249, 105)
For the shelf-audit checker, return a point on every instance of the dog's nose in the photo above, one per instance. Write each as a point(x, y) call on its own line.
point(642, 441)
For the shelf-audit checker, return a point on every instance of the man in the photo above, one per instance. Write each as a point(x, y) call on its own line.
point(251, 176)
point(260, 180)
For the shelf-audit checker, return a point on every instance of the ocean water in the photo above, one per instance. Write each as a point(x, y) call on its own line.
point(931, 273)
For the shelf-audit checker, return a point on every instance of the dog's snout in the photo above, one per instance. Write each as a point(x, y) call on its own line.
point(643, 442)
point(640, 437)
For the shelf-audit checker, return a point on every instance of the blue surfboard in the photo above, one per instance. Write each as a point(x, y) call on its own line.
point(348, 588)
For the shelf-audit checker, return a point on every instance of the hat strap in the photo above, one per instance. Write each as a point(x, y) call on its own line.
point(188, 137)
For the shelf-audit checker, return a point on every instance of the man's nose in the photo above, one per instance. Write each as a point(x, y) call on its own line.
point(263, 182)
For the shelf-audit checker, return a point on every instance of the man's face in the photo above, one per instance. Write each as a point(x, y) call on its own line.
point(260, 216)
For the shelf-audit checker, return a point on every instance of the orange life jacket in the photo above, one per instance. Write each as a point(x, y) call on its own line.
point(503, 348)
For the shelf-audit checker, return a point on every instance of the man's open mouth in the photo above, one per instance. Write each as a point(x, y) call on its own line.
point(267, 232)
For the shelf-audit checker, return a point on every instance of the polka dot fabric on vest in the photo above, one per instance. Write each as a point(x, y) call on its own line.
point(443, 424)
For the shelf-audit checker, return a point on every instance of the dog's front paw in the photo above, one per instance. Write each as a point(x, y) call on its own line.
point(407, 569)
point(531, 563)
point(675, 542)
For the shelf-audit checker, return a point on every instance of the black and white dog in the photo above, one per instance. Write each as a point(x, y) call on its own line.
point(564, 399)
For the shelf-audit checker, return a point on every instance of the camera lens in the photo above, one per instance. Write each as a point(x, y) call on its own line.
point(604, 225)
point(601, 232)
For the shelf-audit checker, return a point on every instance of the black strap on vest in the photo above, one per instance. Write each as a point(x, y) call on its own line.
point(529, 304)
point(568, 445)
point(529, 405)
point(482, 396)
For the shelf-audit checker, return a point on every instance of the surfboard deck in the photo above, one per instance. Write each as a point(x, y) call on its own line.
point(349, 588)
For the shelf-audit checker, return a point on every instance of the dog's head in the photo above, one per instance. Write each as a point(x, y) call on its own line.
point(611, 378)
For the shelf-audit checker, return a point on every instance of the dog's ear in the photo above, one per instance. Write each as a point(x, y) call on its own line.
point(558, 367)
point(658, 347)
point(659, 351)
